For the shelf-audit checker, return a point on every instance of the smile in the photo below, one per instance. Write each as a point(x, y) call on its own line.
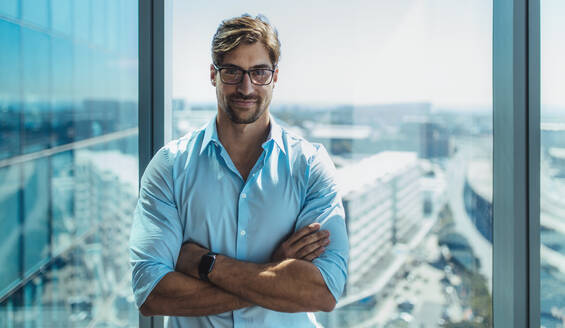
point(244, 103)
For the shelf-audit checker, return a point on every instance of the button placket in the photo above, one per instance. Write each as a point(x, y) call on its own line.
point(242, 222)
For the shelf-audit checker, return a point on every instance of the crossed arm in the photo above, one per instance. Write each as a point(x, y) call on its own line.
point(289, 283)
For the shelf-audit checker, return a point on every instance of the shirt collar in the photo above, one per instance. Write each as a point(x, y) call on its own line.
point(211, 135)
point(275, 134)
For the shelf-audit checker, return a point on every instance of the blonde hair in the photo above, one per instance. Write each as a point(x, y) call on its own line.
point(245, 29)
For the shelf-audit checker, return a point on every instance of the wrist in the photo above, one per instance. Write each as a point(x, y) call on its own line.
point(218, 263)
point(206, 265)
point(189, 259)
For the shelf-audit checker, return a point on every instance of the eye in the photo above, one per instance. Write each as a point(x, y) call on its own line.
point(260, 72)
point(232, 71)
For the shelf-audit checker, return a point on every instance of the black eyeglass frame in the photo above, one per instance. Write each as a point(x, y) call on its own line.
point(248, 72)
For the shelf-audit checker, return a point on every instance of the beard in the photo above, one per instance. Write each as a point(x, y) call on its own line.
point(245, 117)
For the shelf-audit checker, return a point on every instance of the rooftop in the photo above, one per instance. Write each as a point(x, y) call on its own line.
point(341, 131)
point(367, 171)
point(479, 177)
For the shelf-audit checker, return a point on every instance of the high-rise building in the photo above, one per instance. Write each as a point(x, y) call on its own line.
point(68, 161)
point(383, 207)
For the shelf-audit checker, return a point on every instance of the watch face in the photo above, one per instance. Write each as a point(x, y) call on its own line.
point(206, 265)
point(208, 262)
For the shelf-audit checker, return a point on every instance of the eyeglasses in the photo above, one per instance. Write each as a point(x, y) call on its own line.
point(234, 75)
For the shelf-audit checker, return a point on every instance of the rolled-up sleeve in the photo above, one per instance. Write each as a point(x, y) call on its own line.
point(156, 234)
point(323, 204)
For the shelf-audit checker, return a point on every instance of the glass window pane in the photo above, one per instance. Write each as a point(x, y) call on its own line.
point(36, 91)
point(36, 12)
point(98, 15)
point(62, 124)
point(68, 204)
point(552, 175)
point(61, 18)
point(9, 90)
point(82, 22)
point(82, 83)
point(36, 206)
point(9, 8)
point(10, 249)
point(400, 95)
point(63, 186)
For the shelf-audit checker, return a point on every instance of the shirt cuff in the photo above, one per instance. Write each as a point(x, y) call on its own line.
point(333, 272)
point(145, 278)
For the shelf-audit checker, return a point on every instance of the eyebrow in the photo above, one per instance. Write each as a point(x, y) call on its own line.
point(252, 67)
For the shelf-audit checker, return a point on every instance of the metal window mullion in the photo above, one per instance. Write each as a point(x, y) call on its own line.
point(516, 163)
point(534, 172)
point(151, 95)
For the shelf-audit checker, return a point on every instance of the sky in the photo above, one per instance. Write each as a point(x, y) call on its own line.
point(365, 52)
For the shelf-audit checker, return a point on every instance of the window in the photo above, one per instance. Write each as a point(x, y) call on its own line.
point(10, 90)
point(552, 156)
point(69, 155)
point(68, 161)
point(402, 93)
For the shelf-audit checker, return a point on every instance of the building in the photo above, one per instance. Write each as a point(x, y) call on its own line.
point(68, 161)
point(383, 207)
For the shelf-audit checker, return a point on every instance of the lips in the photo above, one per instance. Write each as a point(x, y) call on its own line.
point(243, 102)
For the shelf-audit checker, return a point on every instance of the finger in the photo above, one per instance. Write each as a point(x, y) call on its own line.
point(310, 239)
point(315, 254)
point(303, 232)
point(311, 247)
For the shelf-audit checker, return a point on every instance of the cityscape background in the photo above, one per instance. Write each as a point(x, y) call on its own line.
point(398, 92)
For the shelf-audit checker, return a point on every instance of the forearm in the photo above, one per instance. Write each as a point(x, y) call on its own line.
point(288, 286)
point(180, 295)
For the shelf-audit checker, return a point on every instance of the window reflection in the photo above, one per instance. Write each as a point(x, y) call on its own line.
point(35, 12)
point(10, 233)
point(61, 18)
point(68, 161)
point(63, 186)
point(35, 78)
point(62, 125)
point(9, 90)
point(9, 8)
point(36, 216)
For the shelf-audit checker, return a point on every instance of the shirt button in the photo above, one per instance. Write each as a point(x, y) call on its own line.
point(242, 232)
point(243, 195)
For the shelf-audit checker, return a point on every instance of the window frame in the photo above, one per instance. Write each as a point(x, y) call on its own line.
point(516, 163)
point(516, 145)
point(154, 101)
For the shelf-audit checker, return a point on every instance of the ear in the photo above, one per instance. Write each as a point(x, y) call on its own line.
point(213, 74)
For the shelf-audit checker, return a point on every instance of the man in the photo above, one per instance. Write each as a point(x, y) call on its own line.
point(233, 223)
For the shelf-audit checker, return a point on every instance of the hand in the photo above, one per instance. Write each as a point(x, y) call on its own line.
point(189, 258)
point(306, 244)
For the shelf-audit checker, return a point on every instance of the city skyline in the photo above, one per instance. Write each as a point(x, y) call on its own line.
point(452, 41)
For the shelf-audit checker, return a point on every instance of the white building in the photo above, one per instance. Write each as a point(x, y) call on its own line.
point(383, 207)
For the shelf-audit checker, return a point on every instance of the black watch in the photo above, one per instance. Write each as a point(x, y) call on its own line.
point(206, 265)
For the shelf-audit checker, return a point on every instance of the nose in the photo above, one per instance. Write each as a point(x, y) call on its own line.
point(245, 87)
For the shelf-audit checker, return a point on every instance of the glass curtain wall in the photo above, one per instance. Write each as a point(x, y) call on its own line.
point(400, 94)
point(552, 163)
point(68, 161)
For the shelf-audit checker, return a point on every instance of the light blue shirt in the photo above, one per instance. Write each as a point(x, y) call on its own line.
point(192, 191)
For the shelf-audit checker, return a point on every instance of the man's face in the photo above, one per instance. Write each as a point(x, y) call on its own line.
point(245, 102)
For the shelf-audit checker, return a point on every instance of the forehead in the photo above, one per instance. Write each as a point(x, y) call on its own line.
point(248, 55)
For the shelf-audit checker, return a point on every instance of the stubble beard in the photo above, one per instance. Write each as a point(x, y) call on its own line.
point(256, 112)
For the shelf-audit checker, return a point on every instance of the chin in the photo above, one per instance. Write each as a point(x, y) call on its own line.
point(248, 117)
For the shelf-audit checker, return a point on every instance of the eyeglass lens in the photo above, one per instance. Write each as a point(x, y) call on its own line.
point(235, 75)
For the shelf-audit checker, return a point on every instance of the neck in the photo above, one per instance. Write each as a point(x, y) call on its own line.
point(242, 139)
